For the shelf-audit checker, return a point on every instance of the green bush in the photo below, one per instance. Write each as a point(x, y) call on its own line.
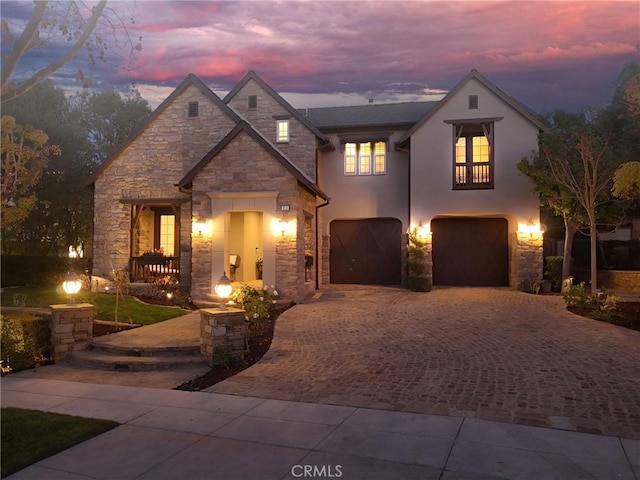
point(419, 284)
point(256, 303)
point(603, 305)
point(24, 344)
point(553, 271)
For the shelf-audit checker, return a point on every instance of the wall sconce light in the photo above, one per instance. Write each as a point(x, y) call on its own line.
point(532, 229)
point(71, 286)
point(200, 228)
point(223, 289)
point(283, 227)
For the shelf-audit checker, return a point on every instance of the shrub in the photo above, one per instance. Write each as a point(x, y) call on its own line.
point(417, 280)
point(553, 271)
point(24, 345)
point(256, 303)
point(603, 304)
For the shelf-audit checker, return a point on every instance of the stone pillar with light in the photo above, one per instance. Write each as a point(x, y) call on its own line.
point(71, 323)
point(222, 329)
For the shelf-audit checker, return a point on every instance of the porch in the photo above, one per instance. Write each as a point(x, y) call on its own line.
point(150, 268)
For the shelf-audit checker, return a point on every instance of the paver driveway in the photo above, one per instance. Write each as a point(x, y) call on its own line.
point(490, 353)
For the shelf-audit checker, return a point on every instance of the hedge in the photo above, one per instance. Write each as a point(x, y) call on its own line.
point(20, 270)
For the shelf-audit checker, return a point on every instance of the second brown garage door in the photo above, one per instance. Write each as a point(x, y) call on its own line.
point(367, 251)
point(470, 251)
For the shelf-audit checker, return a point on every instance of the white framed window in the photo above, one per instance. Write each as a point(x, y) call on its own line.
point(282, 131)
point(350, 155)
point(365, 158)
point(167, 234)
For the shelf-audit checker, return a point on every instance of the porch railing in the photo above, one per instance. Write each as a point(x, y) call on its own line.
point(149, 268)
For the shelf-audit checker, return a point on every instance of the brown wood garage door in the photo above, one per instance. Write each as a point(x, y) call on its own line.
point(470, 251)
point(366, 251)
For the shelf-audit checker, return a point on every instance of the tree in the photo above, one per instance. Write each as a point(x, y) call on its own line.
point(50, 24)
point(626, 181)
point(552, 194)
point(25, 152)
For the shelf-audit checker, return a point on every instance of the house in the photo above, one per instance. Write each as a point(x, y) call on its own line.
point(322, 195)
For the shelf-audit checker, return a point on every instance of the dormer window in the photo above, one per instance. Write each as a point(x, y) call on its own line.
point(253, 102)
point(192, 109)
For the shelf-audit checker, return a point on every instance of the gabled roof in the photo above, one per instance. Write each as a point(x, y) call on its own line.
point(252, 75)
point(191, 79)
point(474, 74)
point(383, 114)
point(244, 126)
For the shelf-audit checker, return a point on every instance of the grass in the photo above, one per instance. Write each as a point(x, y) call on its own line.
point(130, 309)
point(29, 436)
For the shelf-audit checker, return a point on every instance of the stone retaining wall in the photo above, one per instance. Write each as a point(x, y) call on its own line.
point(617, 280)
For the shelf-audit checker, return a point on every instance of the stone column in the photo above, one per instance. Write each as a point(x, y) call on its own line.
point(223, 331)
point(71, 328)
point(527, 261)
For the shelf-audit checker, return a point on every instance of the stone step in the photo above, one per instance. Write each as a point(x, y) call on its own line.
point(111, 361)
point(133, 351)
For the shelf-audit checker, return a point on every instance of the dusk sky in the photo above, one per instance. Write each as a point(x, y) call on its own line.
point(546, 54)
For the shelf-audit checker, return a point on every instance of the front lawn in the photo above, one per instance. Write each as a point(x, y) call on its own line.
point(130, 309)
point(29, 436)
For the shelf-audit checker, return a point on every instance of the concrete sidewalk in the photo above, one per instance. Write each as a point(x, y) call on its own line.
point(171, 434)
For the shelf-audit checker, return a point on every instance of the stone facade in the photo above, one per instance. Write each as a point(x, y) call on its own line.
point(300, 148)
point(148, 169)
point(525, 255)
point(71, 328)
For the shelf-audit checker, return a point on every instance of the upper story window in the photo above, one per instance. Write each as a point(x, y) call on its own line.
point(282, 131)
point(192, 109)
point(253, 102)
point(365, 158)
point(473, 156)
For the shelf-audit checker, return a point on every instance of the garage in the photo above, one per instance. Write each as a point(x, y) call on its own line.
point(366, 251)
point(470, 251)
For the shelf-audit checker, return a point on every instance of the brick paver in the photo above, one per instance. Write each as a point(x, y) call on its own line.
point(490, 353)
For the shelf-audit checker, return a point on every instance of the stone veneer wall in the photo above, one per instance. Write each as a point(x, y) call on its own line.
point(617, 280)
point(149, 168)
point(301, 148)
point(71, 328)
point(222, 331)
point(244, 167)
point(526, 262)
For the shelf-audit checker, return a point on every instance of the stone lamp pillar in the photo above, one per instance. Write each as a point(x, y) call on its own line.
point(71, 328)
point(222, 331)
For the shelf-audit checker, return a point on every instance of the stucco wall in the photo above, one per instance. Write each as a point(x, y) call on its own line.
point(365, 196)
point(432, 163)
point(301, 146)
point(149, 168)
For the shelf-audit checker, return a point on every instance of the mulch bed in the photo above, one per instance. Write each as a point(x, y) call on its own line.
point(259, 344)
point(627, 314)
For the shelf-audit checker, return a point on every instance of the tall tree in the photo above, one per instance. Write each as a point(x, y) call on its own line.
point(52, 23)
point(25, 152)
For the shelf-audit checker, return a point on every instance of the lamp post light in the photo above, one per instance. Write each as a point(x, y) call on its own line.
point(223, 289)
point(72, 285)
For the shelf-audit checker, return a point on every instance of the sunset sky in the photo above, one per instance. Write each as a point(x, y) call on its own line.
point(318, 53)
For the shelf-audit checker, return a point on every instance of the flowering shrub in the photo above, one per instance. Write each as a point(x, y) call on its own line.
point(256, 303)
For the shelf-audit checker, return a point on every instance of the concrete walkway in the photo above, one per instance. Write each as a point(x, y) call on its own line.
point(170, 434)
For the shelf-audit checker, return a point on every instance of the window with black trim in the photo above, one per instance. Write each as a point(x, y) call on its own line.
point(253, 102)
point(473, 156)
point(365, 158)
point(192, 109)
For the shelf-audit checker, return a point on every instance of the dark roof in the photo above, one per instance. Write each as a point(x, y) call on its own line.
point(191, 79)
point(383, 114)
point(244, 126)
point(252, 75)
point(474, 74)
